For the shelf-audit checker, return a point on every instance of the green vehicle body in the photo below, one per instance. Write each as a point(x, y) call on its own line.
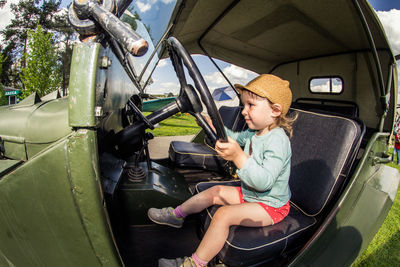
point(154, 104)
point(53, 211)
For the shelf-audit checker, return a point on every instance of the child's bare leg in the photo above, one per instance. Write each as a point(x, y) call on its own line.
point(216, 195)
point(246, 214)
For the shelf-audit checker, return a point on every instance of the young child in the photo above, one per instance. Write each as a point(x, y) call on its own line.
point(263, 168)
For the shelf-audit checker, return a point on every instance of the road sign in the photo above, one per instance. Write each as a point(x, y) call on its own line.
point(13, 92)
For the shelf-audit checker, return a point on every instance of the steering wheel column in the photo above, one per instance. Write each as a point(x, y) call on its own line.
point(187, 101)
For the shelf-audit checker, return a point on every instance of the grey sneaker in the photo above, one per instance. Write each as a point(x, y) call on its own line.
point(179, 262)
point(165, 216)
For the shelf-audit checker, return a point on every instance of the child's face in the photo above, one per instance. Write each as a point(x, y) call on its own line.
point(259, 113)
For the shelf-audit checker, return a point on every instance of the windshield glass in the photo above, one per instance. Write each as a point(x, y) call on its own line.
point(150, 19)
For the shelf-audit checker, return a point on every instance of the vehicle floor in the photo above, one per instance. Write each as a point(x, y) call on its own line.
point(143, 245)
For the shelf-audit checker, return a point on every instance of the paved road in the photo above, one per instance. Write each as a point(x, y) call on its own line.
point(158, 147)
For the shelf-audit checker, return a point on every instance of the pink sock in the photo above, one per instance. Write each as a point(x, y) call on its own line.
point(199, 262)
point(179, 213)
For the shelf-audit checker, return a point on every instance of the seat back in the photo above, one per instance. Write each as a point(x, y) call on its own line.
point(232, 118)
point(339, 107)
point(323, 150)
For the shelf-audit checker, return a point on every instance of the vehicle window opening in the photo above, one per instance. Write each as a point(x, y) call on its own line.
point(226, 11)
point(326, 85)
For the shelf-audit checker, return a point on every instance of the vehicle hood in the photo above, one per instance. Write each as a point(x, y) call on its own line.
point(33, 122)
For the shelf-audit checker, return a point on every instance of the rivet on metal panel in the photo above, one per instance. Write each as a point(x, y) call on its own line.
point(105, 62)
point(98, 111)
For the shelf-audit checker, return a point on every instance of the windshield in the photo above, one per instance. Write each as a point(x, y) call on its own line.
point(150, 19)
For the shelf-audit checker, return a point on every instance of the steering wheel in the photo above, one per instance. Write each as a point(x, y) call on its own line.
point(187, 101)
point(178, 54)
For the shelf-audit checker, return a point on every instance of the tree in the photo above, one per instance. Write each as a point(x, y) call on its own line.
point(28, 13)
point(3, 99)
point(65, 36)
point(41, 71)
point(2, 59)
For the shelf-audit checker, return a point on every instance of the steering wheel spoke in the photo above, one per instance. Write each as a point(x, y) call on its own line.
point(191, 99)
point(179, 55)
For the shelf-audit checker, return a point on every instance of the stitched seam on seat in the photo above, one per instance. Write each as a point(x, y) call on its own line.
point(343, 163)
point(210, 147)
point(286, 237)
point(189, 153)
point(276, 241)
point(215, 182)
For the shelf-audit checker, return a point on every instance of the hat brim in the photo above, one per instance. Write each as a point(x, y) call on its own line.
point(239, 88)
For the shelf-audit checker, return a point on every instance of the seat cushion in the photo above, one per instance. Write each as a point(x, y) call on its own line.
point(250, 245)
point(194, 155)
point(202, 156)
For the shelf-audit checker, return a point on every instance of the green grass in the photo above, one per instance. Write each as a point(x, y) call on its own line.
point(179, 124)
point(384, 250)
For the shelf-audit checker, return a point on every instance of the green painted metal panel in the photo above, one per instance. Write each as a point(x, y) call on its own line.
point(39, 222)
point(8, 164)
point(29, 128)
point(51, 212)
point(162, 187)
point(31, 100)
point(14, 149)
point(86, 187)
point(13, 121)
point(82, 85)
point(48, 123)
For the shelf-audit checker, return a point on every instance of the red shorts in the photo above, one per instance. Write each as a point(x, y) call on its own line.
point(276, 214)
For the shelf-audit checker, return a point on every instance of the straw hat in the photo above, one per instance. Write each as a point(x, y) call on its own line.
point(271, 87)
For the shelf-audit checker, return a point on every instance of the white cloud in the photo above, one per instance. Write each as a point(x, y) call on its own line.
point(169, 84)
point(5, 14)
point(163, 88)
point(234, 73)
point(143, 7)
point(391, 21)
point(215, 79)
point(162, 63)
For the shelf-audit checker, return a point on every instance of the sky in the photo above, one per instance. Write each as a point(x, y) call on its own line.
point(164, 78)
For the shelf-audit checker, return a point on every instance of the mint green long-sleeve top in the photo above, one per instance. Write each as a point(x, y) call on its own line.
point(265, 175)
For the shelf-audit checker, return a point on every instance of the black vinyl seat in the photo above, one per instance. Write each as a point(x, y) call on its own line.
point(247, 246)
point(203, 156)
point(195, 155)
point(322, 105)
point(323, 150)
